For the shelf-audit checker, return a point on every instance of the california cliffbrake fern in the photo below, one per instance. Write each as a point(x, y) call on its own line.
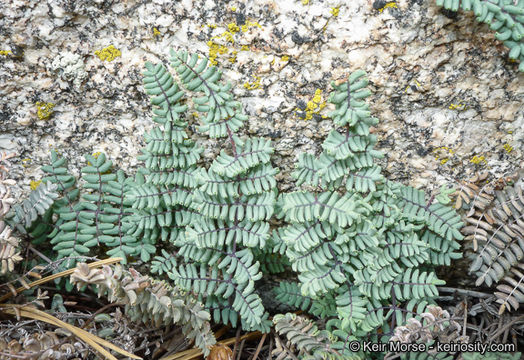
point(506, 17)
point(364, 247)
point(229, 206)
point(215, 219)
point(495, 233)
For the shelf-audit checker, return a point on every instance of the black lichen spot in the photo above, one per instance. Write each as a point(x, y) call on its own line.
point(297, 39)
point(317, 117)
point(301, 104)
point(241, 19)
point(301, 114)
point(278, 33)
point(453, 15)
point(274, 134)
point(379, 4)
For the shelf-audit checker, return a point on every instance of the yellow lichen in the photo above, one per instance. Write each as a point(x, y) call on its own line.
point(417, 86)
point(233, 28)
point(508, 148)
point(443, 154)
point(305, 2)
point(233, 8)
point(34, 184)
point(253, 85)
point(26, 162)
point(156, 32)
point(45, 110)
point(391, 4)
point(284, 58)
point(459, 107)
point(5, 52)
point(253, 24)
point(478, 159)
point(233, 57)
point(108, 54)
point(335, 11)
point(314, 106)
point(215, 48)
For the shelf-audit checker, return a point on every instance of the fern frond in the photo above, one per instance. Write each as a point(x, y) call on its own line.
point(148, 300)
point(304, 336)
point(39, 201)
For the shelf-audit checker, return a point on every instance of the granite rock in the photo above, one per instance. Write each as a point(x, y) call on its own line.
point(448, 99)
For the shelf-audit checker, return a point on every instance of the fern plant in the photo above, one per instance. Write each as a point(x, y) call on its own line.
point(9, 245)
point(149, 301)
point(495, 232)
point(506, 17)
point(364, 247)
point(88, 216)
point(163, 190)
point(217, 216)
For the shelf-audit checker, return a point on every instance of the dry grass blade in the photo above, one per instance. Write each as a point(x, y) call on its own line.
point(92, 340)
point(59, 275)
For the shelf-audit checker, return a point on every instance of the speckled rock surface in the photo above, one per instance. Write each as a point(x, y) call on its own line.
point(449, 101)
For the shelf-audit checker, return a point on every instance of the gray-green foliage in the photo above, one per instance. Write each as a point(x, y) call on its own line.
point(163, 189)
point(23, 215)
point(234, 200)
point(305, 341)
point(506, 17)
point(364, 247)
point(149, 301)
point(88, 216)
